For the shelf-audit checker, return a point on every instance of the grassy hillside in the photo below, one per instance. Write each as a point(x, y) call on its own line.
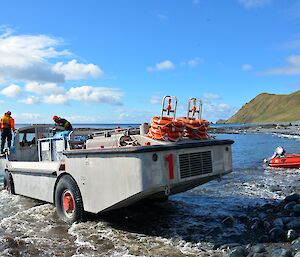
point(266, 108)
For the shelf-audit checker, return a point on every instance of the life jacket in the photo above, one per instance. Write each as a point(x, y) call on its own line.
point(7, 122)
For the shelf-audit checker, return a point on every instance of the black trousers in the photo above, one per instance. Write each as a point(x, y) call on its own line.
point(6, 135)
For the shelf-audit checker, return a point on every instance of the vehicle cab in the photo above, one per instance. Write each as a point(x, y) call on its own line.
point(25, 145)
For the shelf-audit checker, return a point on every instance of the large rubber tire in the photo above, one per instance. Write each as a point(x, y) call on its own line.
point(68, 200)
point(8, 183)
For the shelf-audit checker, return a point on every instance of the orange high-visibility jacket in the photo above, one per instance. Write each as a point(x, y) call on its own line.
point(7, 122)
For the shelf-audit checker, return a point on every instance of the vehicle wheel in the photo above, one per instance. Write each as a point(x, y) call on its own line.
point(68, 200)
point(8, 183)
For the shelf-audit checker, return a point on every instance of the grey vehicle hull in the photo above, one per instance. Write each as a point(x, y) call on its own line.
point(111, 176)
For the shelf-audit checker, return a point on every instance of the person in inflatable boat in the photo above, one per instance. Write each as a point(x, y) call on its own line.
point(279, 152)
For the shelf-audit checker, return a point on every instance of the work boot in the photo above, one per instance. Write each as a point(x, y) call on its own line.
point(2, 146)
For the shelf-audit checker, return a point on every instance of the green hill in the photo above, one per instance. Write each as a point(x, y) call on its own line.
point(266, 108)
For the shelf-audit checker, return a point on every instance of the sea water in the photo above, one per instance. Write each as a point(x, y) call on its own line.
point(189, 224)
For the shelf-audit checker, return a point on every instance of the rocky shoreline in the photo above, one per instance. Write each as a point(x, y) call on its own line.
point(275, 229)
point(292, 129)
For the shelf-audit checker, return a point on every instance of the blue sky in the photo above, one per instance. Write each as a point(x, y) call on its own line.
point(112, 61)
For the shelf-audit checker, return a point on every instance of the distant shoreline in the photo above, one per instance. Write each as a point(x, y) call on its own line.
point(286, 128)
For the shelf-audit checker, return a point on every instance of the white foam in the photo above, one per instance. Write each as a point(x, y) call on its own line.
point(296, 137)
point(77, 230)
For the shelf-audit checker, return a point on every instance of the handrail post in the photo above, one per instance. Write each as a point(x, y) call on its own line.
point(168, 108)
point(195, 109)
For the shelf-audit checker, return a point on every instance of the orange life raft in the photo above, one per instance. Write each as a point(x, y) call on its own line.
point(285, 161)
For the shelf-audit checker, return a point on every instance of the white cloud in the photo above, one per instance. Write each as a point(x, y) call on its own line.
point(211, 96)
point(5, 31)
point(169, 65)
point(55, 99)
point(2, 81)
point(246, 67)
point(90, 94)
point(155, 99)
point(27, 58)
point(45, 88)
point(52, 94)
point(214, 112)
point(249, 4)
point(192, 63)
point(28, 117)
point(76, 71)
point(162, 17)
point(133, 115)
point(293, 67)
point(293, 44)
point(165, 65)
point(30, 100)
point(292, 10)
point(84, 119)
point(11, 91)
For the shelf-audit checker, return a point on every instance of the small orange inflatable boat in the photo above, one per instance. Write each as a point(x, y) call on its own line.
point(282, 160)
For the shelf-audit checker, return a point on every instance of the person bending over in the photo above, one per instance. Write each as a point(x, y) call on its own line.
point(62, 122)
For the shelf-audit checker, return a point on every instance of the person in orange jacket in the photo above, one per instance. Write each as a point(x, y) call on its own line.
point(7, 124)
